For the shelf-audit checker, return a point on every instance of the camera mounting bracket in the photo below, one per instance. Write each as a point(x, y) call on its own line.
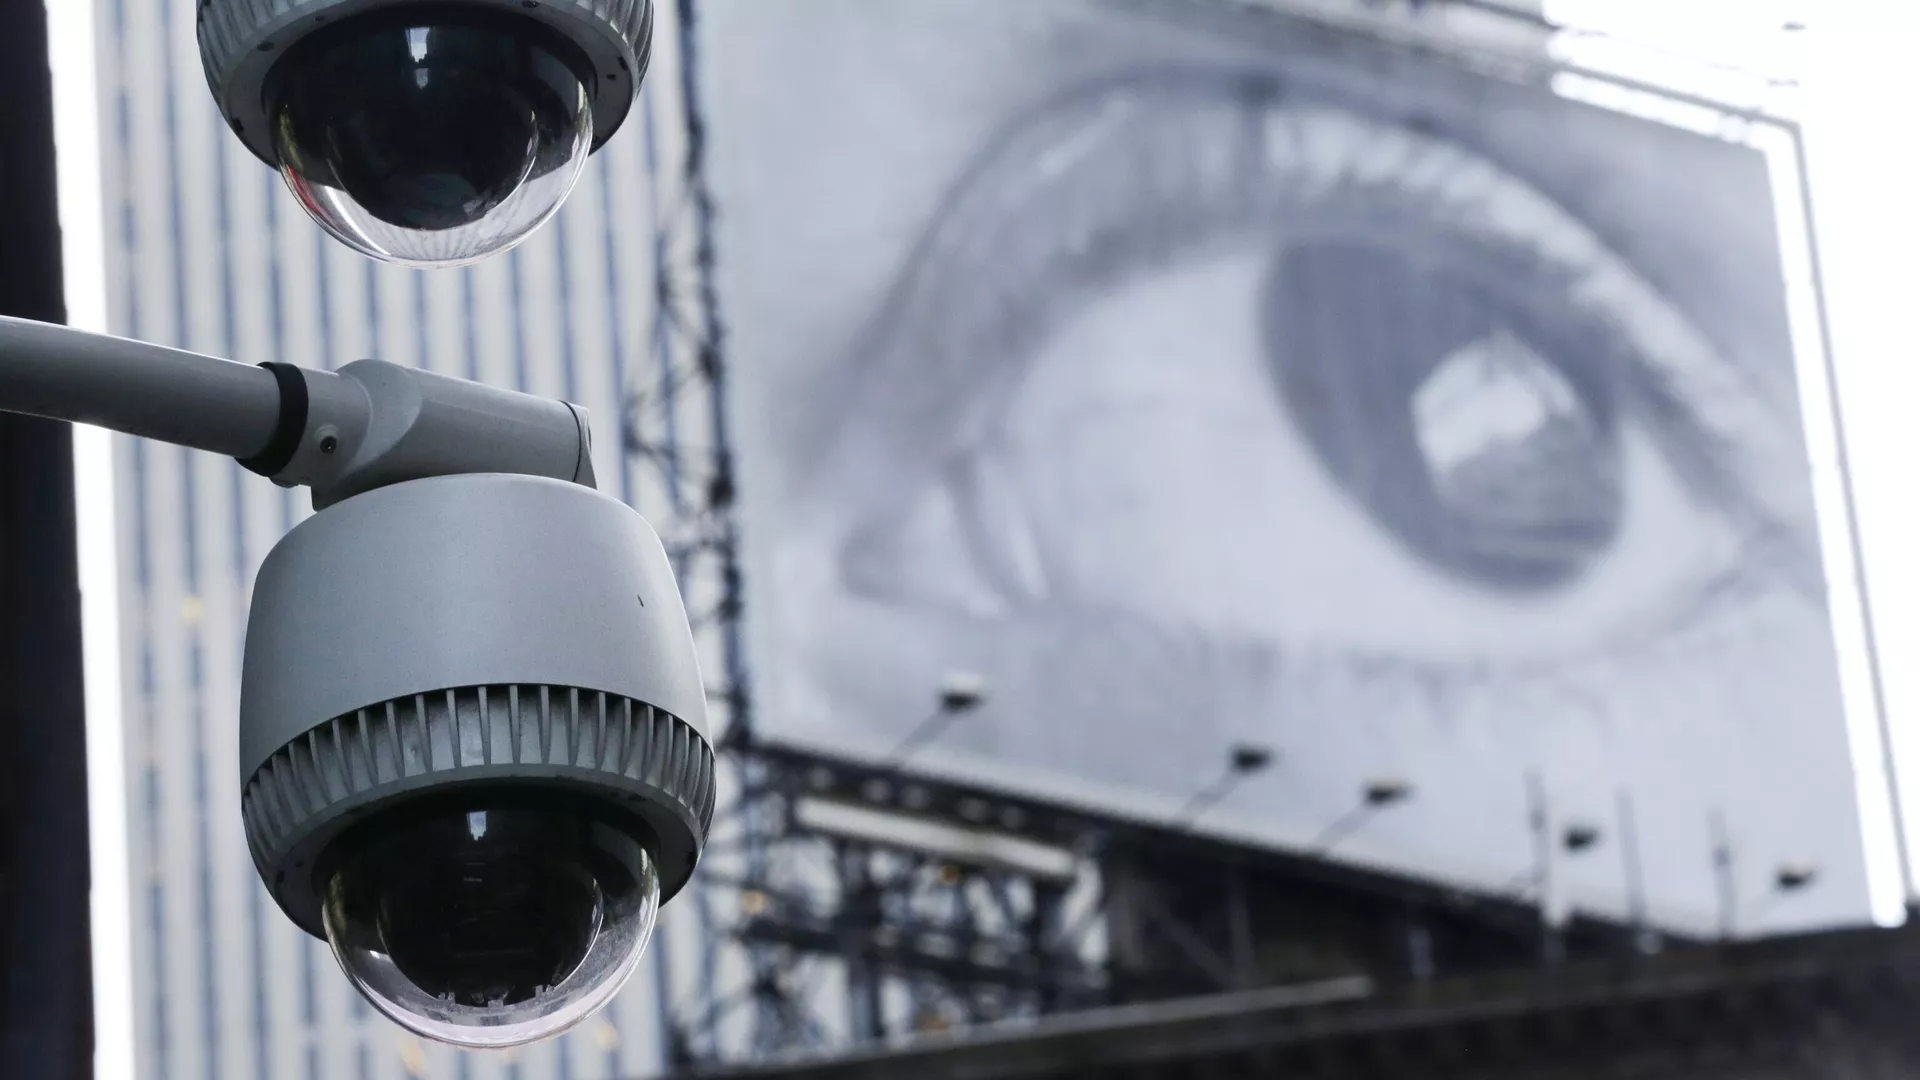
point(340, 433)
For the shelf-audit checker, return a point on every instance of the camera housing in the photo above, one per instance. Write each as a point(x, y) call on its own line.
point(426, 132)
point(475, 765)
point(473, 736)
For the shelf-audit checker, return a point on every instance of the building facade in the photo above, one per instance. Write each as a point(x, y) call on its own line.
point(207, 251)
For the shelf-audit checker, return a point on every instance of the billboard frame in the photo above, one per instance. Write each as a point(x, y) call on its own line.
point(763, 765)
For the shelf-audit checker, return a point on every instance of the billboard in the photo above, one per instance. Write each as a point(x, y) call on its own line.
point(1198, 377)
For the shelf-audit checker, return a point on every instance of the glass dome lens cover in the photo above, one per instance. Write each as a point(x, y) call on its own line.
point(430, 136)
point(490, 921)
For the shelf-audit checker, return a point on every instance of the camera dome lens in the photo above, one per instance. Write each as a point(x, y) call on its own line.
point(410, 171)
point(484, 923)
point(431, 139)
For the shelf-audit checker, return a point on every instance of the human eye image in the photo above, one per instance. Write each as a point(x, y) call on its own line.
point(1202, 381)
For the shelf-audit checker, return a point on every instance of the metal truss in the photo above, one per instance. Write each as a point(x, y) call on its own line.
point(676, 426)
point(879, 934)
point(1821, 1006)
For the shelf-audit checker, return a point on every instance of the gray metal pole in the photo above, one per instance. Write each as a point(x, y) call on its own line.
point(1630, 867)
point(340, 433)
point(133, 387)
point(1539, 819)
point(1240, 929)
point(1723, 871)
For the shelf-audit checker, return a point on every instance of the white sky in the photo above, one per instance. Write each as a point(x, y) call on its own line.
point(1846, 80)
point(1857, 102)
point(1864, 169)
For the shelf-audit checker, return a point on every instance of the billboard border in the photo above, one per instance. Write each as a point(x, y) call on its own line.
point(745, 741)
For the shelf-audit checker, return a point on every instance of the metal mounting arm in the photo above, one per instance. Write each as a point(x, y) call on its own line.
point(339, 432)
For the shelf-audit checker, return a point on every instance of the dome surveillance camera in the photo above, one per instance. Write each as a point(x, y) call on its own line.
point(474, 761)
point(426, 132)
point(473, 735)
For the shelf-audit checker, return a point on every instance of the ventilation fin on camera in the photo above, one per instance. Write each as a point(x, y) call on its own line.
point(483, 731)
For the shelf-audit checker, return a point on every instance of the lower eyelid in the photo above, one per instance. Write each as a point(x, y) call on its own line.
point(973, 528)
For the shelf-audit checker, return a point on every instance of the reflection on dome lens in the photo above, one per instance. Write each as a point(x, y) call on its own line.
point(432, 139)
point(435, 154)
point(502, 918)
point(490, 919)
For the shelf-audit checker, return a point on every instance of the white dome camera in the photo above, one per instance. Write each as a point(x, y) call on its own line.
point(473, 751)
point(473, 761)
point(426, 132)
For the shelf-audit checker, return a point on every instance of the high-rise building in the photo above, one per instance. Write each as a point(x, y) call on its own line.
point(206, 250)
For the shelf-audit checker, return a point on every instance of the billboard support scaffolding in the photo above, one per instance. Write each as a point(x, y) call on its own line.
point(680, 429)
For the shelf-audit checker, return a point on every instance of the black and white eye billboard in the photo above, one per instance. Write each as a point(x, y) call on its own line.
point(1199, 377)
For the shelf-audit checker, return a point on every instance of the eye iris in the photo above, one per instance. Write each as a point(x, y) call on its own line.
point(1461, 418)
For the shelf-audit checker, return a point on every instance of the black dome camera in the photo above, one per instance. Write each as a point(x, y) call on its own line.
point(426, 132)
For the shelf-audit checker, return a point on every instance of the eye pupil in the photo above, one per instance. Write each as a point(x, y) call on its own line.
point(1462, 420)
